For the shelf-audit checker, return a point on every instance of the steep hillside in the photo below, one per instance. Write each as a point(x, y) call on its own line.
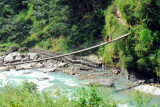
point(64, 24)
point(140, 52)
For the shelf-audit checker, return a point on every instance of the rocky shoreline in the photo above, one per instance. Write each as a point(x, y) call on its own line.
point(85, 66)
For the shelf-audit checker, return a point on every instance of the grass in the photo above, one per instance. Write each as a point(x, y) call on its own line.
point(58, 44)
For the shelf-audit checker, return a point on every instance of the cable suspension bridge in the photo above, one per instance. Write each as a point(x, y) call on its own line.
point(72, 53)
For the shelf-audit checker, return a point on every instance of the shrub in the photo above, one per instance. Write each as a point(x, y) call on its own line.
point(145, 37)
point(92, 97)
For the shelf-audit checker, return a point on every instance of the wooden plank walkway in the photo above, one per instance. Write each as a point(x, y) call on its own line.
point(58, 56)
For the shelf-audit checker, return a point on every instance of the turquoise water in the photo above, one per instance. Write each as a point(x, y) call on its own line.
point(56, 80)
point(63, 82)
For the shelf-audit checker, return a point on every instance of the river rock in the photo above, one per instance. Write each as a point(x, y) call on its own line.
point(103, 82)
point(9, 58)
point(48, 64)
point(85, 68)
point(60, 65)
point(42, 78)
point(115, 72)
point(14, 54)
point(18, 58)
point(1, 60)
point(33, 56)
point(125, 73)
point(93, 58)
point(39, 65)
point(45, 70)
point(148, 89)
point(24, 66)
point(25, 58)
point(141, 81)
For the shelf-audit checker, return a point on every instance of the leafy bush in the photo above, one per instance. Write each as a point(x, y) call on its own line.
point(145, 37)
point(89, 97)
point(30, 86)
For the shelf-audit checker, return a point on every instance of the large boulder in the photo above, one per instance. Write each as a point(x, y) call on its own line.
point(33, 56)
point(25, 58)
point(12, 49)
point(18, 58)
point(60, 65)
point(11, 57)
point(14, 54)
point(85, 68)
point(125, 73)
point(103, 82)
point(1, 60)
point(24, 66)
point(92, 58)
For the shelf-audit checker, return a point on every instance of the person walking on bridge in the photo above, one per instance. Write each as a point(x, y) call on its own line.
point(111, 37)
point(107, 38)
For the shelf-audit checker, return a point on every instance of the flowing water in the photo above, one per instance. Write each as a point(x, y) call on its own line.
point(57, 80)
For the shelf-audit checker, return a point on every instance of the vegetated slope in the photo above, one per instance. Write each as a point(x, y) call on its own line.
point(140, 52)
point(52, 24)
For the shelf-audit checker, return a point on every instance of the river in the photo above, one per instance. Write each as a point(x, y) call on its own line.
point(57, 80)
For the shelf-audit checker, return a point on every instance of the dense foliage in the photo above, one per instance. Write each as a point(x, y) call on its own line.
point(140, 51)
point(40, 22)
